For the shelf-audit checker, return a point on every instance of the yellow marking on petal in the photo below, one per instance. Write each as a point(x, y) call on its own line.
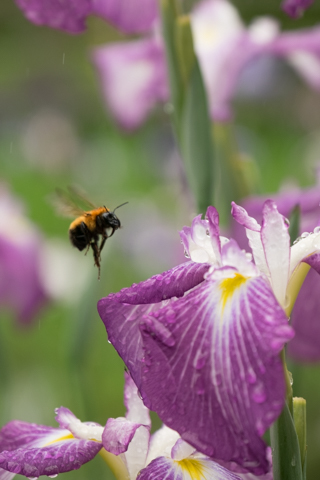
point(229, 285)
point(60, 439)
point(193, 467)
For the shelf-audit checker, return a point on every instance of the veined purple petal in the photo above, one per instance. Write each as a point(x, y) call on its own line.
point(221, 384)
point(122, 312)
point(136, 411)
point(118, 433)
point(295, 8)
point(253, 234)
point(212, 216)
point(130, 16)
point(33, 450)
point(133, 78)
point(187, 469)
point(276, 243)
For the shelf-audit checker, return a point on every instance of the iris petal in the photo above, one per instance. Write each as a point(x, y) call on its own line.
point(34, 450)
point(221, 384)
point(191, 468)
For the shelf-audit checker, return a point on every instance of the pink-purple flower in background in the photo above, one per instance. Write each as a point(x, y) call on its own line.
point(133, 78)
point(21, 287)
point(224, 46)
point(202, 340)
point(130, 16)
point(296, 8)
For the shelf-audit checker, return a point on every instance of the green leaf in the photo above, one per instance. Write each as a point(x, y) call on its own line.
point(169, 14)
point(300, 422)
point(196, 141)
point(285, 448)
point(294, 219)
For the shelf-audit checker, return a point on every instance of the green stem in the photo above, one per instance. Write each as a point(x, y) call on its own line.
point(115, 464)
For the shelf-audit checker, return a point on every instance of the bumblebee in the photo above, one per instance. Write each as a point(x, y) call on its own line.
point(92, 227)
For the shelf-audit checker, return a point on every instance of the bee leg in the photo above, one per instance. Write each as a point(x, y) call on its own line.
point(96, 254)
point(103, 241)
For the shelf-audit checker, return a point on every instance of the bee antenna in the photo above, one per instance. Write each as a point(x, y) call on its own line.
point(125, 203)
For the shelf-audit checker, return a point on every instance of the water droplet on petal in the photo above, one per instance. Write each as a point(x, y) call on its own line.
point(304, 234)
point(317, 229)
point(251, 376)
point(258, 393)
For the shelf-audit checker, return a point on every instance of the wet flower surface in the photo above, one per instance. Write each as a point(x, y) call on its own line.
point(305, 346)
point(125, 443)
point(202, 340)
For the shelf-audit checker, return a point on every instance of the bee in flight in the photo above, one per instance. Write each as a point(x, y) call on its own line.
point(93, 225)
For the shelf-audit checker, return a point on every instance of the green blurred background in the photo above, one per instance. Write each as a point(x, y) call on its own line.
point(55, 131)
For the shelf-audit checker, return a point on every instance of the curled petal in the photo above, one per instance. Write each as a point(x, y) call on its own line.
point(133, 79)
point(212, 216)
point(221, 384)
point(306, 250)
point(253, 234)
point(136, 411)
point(118, 433)
point(34, 450)
point(276, 243)
point(187, 469)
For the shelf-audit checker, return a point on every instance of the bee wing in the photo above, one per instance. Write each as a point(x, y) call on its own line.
point(79, 197)
point(64, 205)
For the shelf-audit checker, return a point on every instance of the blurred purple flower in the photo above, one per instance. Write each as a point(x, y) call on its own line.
point(33, 450)
point(21, 288)
point(202, 340)
point(295, 8)
point(130, 16)
point(305, 346)
point(133, 78)
point(224, 46)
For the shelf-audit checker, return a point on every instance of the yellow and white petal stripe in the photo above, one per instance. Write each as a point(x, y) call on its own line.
point(190, 468)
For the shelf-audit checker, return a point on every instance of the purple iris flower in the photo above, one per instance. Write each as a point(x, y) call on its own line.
point(133, 78)
point(295, 8)
point(224, 46)
point(202, 340)
point(125, 444)
point(130, 16)
point(304, 318)
point(21, 286)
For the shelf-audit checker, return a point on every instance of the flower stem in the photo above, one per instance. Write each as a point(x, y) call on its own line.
point(115, 464)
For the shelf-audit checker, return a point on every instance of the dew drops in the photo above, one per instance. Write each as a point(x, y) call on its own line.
point(317, 229)
point(259, 428)
point(258, 393)
point(304, 234)
point(293, 461)
point(251, 376)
